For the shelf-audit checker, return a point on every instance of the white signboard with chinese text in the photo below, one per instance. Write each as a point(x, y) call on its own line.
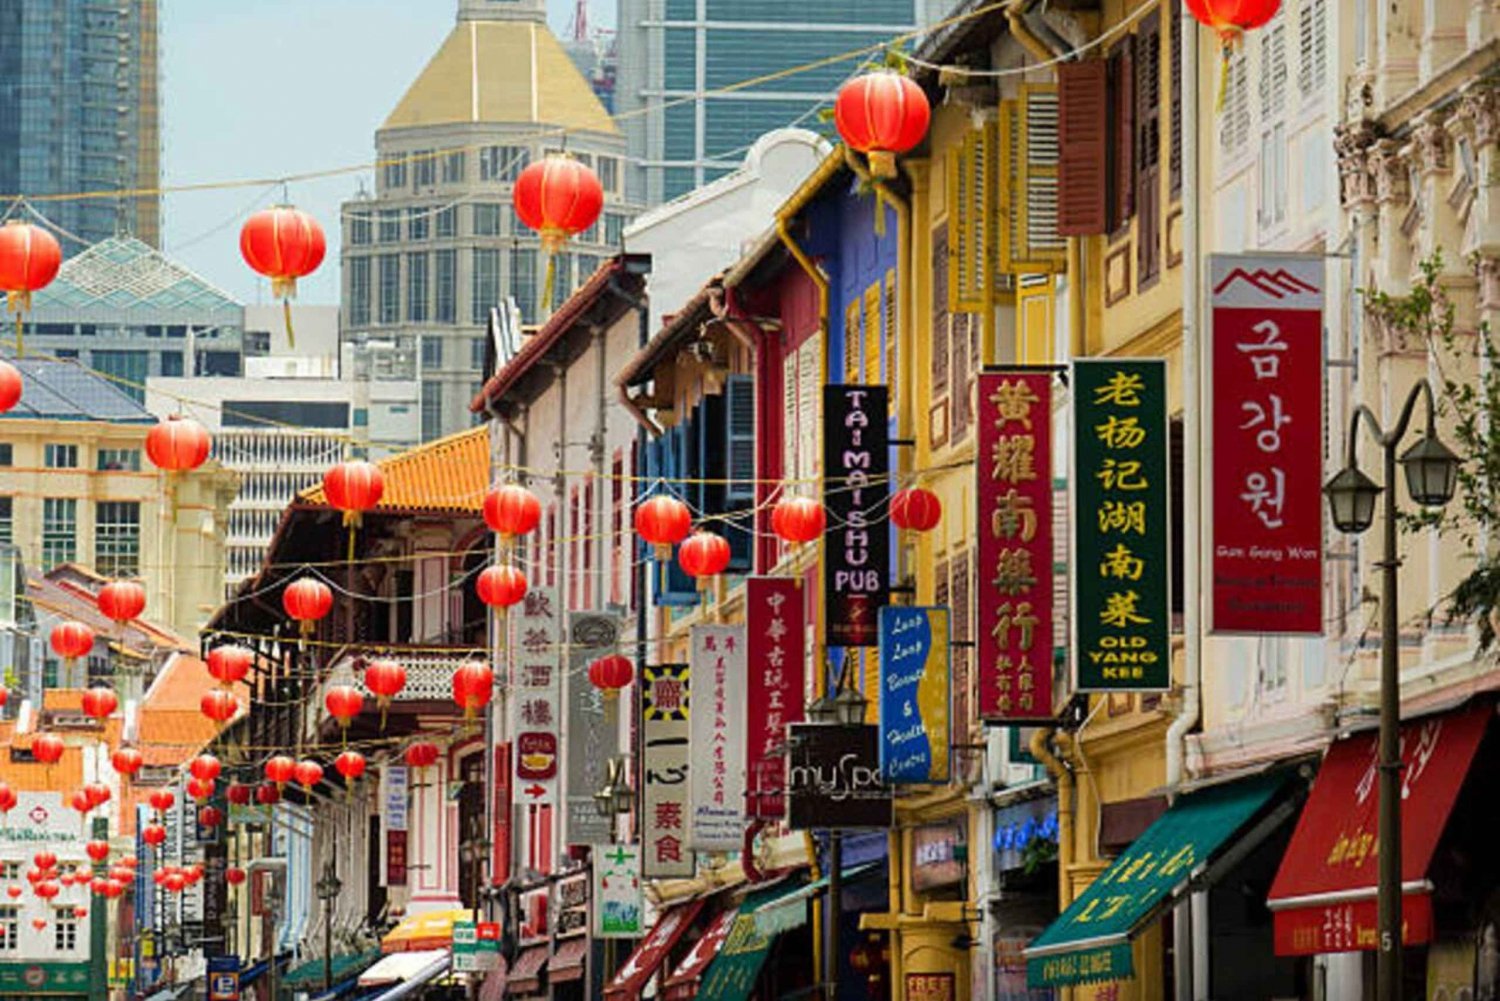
point(536, 700)
point(717, 777)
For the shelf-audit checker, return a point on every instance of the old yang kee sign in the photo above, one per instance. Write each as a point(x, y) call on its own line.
point(856, 464)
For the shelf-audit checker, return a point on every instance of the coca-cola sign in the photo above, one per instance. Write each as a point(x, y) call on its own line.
point(833, 778)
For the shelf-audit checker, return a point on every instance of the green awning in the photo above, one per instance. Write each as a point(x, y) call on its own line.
point(1090, 941)
point(789, 910)
point(345, 965)
point(732, 975)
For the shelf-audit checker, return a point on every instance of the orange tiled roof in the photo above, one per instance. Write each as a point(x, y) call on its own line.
point(172, 727)
point(450, 474)
point(62, 700)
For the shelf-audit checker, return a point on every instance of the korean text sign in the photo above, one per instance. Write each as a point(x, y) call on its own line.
point(915, 689)
point(857, 551)
point(536, 640)
point(1267, 444)
point(776, 637)
point(717, 722)
point(1121, 570)
point(664, 770)
point(1015, 582)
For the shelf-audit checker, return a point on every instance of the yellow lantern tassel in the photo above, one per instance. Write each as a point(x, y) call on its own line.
point(291, 336)
point(549, 283)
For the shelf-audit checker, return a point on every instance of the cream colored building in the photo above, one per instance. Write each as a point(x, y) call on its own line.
point(76, 486)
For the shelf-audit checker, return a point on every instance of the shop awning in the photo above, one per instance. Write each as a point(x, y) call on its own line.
point(567, 960)
point(345, 965)
point(428, 930)
point(526, 976)
point(732, 974)
point(1323, 898)
point(436, 967)
point(493, 987)
point(789, 910)
point(652, 951)
point(1090, 941)
point(339, 990)
point(402, 966)
point(682, 985)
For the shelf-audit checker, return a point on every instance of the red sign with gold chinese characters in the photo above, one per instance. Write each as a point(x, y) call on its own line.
point(1014, 582)
point(1267, 444)
point(773, 610)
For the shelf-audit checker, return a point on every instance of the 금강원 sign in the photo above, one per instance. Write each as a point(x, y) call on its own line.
point(1267, 522)
point(1122, 593)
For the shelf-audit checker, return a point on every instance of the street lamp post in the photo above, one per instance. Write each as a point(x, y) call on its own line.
point(328, 888)
point(1431, 479)
point(846, 707)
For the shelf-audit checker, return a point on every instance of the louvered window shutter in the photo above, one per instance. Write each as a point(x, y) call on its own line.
point(872, 338)
point(1036, 244)
point(963, 652)
point(961, 327)
point(677, 588)
point(972, 219)
point(1121, 89)
point(739, 444)
point(1148, 148)
point(1082, 133)
point(888, 309)
point(1174, 155)
point(809, 393)
point(852, 343)
point(937, 427)
point(1312, 55)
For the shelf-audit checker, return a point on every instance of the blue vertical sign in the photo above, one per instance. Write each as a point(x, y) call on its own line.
point(915, 729)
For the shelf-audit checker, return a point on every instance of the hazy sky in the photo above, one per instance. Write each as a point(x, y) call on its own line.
point(277, 87)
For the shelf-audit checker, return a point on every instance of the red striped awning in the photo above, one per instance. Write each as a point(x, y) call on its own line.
point(682, 985)
point(652, 952)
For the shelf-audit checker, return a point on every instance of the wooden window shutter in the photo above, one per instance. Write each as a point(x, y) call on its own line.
point(1174, 156)
point(1148, 148)
point(963, 330)
point(1028, 202)
point(1035, 301)
point(852, 346)
point(739, 443)
point(1082, 124)
point(937, 339)
point(972, 219)
point(872, 335)
point(888, 308)
point(1120, 85)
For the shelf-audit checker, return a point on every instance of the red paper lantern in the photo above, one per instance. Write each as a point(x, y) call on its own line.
point(45, 860)
point(47, 748)
point(703, 556)
point(267, 795)
point(97, 885)
point(97, 850)
point(308, 774)
point(14, 892)
point(473, 684)
point(663, 522)
point(127, 761)
point(200, 789)
point(98, 793)
point(279, 769)
point(916, 509)
point(798, 520)
point(4, 695)
point(154, 834)
point(71, 640)
point(422, 755)
point(384, 679)
point(80, 802)
point(350, 764)
point(8, 796)
point(194, 873)
point(121, 601)
point(114, 888)
point(882, 114)
point(161, 800)
point(1231, 18)
point(307, 600)
point(29, 259)
point(501, 587)
point(210, 816)
point(229, 664)
point(80, 913)
point(82, 873)
point(612, 673)
point(11, 384)
point(100, 702)
point(219, 705)
point(178, 444)
point(239, 794)
point(39, 923)
point(284, 244)
point(205, 767)
point(344, 702)
point(35, 876)
point(47, 889)
point(234, 875)
point(354, 487)
point(512, 510)
point(175, 882)
point(557, 197)
point(130, 861)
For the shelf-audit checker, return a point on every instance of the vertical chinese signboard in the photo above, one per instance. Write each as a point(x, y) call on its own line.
point(856, 464)
point(915, 688)
point(776, 638)
point(664, 770)
point(1267, 520)
point(1122, 594)
point(592, 739)
point(717, 722)
point(1014, 586)
point(536, 644)
point(617, 891)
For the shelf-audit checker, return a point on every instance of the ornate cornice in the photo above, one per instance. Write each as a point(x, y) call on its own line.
point(1352, 144)
point(1430, 143)
point(1388, 164)
point(1479, 109)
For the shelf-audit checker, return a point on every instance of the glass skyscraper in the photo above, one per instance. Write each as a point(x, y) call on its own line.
point(675, 54)
point(80, 112)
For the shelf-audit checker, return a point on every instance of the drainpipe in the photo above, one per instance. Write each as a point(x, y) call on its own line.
point(1062, 774)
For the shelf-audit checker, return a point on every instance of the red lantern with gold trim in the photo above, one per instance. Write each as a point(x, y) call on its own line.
point(704, 556)
point(154, 834)
point(29, 260)
point(121, 601)
point(308, 774)
point(344, 702)
point(307, 600)
point(11, 385)
point(611, 673)
point(663, 521)
point(916, 509)
point(1230, 19)
point(882, 115)
point(229, 664)
point(512, 510)
point(385, 679)
point(558, 197)
point(205, 767)
point(71, 640)
point(161, 800)
point(350, 764)
point(422, 754)
point(501, 587)
point(284, 244)
point(234, 875)
point(354, 487)
point(473, 685)
point(798, 520)
point(178, 444)
point(47, 748)
point(219, 705)
point(97, 792)
point(99, 702)
point(280, 769)
point(127, 761)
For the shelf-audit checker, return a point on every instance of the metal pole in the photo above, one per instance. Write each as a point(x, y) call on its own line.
point(835, 907)
point(1388, 970)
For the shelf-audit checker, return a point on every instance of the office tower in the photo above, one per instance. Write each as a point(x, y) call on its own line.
point(80, 111)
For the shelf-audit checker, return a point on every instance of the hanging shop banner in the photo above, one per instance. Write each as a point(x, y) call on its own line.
point(776, 635)
point(1267, 412)
point(1014, 589)
point(834, 778)
point(1121, 590)
point(856, 467)
point(592, 735)
point(617, 892)
point(915, 688)
point(536, 707)
point(664, 770)
point(717, 778)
